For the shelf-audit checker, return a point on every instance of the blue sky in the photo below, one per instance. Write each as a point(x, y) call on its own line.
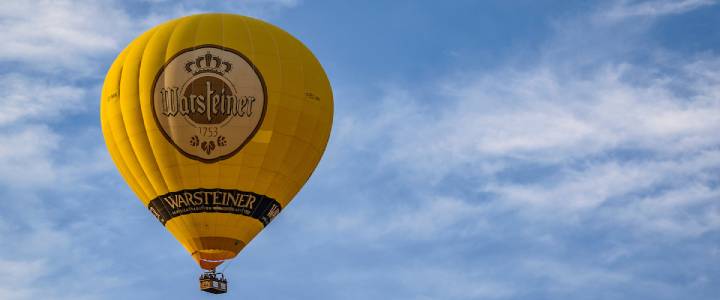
point(480, 150)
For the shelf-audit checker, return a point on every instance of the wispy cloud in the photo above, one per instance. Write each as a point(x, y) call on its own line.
point(653, 8)
point(27, 98)
point(25, 157)
point(57, 35)
point(70, 36)
point(574, 151)
point(545, 115)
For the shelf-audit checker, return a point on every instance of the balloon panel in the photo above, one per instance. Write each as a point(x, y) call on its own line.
point(216, 121)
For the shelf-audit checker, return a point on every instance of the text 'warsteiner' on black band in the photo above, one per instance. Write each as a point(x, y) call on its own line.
point(183, 202)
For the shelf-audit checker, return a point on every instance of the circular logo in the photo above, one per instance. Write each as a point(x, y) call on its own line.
point(209, 101)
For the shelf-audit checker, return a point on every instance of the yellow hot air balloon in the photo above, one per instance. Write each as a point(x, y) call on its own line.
point(216, 121)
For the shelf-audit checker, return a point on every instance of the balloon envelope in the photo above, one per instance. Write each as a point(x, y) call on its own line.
point(216, 121)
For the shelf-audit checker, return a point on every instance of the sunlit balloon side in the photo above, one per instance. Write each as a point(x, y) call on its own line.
point(216, 121)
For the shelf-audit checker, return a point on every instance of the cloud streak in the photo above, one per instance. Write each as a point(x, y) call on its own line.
point(565, 156)
point(653, 9)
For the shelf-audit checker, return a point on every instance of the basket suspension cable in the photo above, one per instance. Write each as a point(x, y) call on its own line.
point(227, 265)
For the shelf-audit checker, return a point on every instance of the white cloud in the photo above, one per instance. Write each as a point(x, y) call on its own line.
point(29, 267)
point(574, 277)
point(61, 35)
point(655, 196)
point(24, 98)
point(627, 9)
point(580, 127)
point(262, 9)
point(688, 211)
point(424, 220)
point(542, 116)
point(604, 140)
point(69, 37)
point(26, 156)
point(12, 272)
point(277, 3)
point(428, 282)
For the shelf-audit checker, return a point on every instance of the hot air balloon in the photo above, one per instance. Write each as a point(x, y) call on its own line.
point(216, 121)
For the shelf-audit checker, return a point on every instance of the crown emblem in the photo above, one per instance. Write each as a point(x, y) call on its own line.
point(208, 63)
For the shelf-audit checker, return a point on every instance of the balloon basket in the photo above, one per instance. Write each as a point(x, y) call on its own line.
point(214, 283)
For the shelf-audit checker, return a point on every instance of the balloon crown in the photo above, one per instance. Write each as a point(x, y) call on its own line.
point(208, 63)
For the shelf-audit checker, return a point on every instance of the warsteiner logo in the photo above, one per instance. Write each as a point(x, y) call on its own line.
point(209, 101)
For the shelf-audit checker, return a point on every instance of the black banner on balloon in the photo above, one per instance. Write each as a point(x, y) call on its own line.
point(183, 202)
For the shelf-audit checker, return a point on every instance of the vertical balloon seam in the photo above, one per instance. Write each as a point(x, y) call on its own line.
point(110, 138)
point(166, 54)
point(125, 108)
point(154, 151)
point(312, 154)
point(250, 55)
point(195, 220)
point(221, 164)
point(213, 167)
point(319, 125)
point(157, 47)
point(187, 224)
point(122, 168)
point(263, 169)
point(198, 218)
point(149, 50)
point(128, 106)
point(231, 218)
point(316, 152)
point(153, 162)
point(120, 134)
point(330, 107)
point(201, 217)
point(294, 136)
point(251, 233)
point(107, 130)
point(253, 54)
point(228, 222)
point(240, 232)
point(307, 152)
point(124, 171)
point(222, 47)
